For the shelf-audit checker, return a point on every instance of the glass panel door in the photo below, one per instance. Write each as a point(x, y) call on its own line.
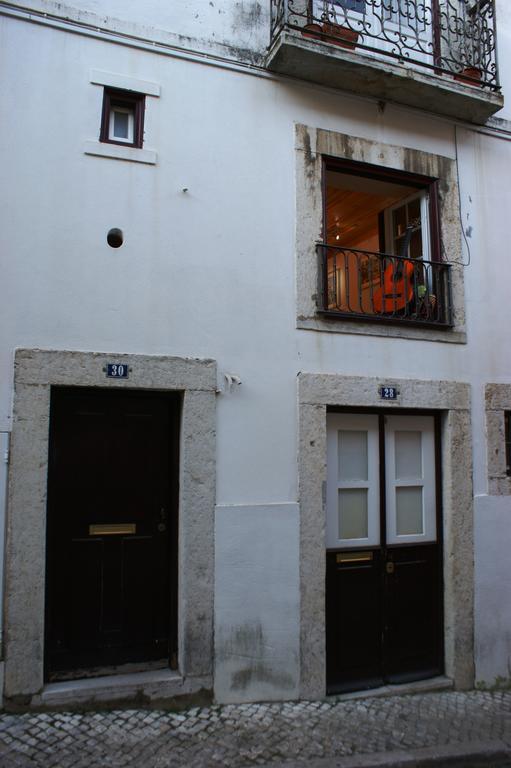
point(383, 603)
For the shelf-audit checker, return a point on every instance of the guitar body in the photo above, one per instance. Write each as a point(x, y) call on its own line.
point(397, 289)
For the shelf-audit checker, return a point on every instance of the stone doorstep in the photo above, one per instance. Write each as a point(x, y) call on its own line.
point(431, 685)
point(475, 754)
point(154, 685)
point(162, 684)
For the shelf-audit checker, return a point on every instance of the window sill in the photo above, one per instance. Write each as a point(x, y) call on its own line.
point(117, 152)
point(319, 323)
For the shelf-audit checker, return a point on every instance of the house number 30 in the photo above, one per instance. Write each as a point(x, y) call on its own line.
point(117, 371)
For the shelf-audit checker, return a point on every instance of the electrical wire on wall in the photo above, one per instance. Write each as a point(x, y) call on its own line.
point(461, 263)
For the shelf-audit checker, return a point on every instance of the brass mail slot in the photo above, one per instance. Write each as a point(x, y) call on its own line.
point(354, 557)
point(115, 529)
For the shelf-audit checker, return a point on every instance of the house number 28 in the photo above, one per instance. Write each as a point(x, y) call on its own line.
point(388, 393)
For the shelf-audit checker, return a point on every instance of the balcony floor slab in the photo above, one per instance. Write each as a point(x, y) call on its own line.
point(386, 80)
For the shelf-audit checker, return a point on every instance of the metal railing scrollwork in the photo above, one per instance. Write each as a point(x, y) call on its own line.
point(381, 287)
point(449, 37)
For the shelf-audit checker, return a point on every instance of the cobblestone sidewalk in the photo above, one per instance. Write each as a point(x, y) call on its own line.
point(250, 735)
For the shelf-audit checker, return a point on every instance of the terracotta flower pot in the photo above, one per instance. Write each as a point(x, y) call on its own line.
point(469, 75)
point(312, 30)
point(339, 35)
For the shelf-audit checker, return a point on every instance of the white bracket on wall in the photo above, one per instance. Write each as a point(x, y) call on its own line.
point(231, 379)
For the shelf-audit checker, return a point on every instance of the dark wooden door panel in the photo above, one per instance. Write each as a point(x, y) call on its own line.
point(79, 582)
point(383, 627)
point(353, 621)
point(413, 614)
point(112, 528)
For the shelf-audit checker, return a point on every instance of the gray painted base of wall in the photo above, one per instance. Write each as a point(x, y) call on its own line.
point(257, 603)
point(492, 579)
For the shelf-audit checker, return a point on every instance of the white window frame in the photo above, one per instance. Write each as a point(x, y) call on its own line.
point(426, 426)
point(356, 423)
point(425, 223)
point(131, 124)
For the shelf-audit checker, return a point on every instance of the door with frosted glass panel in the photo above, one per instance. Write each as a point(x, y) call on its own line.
point(383, 597)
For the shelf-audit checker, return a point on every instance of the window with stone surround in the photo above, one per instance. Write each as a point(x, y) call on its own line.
point(434, 306)
point(380, 256)
point(498, 436)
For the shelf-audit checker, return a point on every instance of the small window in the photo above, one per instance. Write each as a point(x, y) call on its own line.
point(122, 120)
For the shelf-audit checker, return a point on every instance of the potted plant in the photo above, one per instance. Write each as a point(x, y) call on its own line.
point(325, 25)
point(471, 54)
point(313, 30)
point(340, 34)
point(470, 74)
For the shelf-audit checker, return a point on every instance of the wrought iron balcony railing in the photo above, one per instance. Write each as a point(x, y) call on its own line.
point(449, 37)
point(363, 285)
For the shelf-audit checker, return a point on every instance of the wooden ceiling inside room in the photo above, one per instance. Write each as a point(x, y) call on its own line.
point(353, 204)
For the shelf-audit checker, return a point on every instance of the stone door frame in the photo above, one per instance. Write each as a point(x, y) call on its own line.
point(36, 371)
point(316, 393)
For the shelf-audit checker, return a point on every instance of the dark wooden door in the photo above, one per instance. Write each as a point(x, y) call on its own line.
point(383, 567)
point(111, 530)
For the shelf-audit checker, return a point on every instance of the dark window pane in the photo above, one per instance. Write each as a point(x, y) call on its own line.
point(414, 211)
point(121, 125)
point(399, 221)
point(416, 245)
point(351, 5)
point(507, 422)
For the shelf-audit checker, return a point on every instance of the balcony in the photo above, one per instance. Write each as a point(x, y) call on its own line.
point(438, 55)
point(378, 287)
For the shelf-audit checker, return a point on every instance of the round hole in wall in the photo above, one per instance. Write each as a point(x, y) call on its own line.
point(115, 238)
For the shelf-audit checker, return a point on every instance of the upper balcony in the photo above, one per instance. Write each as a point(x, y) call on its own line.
point(438, 55)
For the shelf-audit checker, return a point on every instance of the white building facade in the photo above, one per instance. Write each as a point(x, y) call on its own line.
point(254, 394)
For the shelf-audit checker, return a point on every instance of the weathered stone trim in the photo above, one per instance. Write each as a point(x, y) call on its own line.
point(316, 392)
point(35, 372)
point(312, 144)
point(497, 401)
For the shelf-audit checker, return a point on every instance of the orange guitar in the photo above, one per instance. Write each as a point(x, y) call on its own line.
point(398, 283)
point(397, 289)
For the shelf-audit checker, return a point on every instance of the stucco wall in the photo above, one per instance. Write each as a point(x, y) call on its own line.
point(210, 272)
point(236, 29)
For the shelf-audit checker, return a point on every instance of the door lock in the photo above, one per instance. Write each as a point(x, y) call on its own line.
point(390, 566)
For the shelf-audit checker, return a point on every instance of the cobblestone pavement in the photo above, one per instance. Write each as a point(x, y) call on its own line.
point(238, 736)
